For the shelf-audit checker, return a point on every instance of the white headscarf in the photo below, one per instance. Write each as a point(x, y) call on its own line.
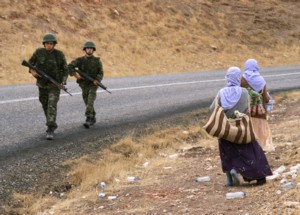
point(231, 94)
point(252, 76)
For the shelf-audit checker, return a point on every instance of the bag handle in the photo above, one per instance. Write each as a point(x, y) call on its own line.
point(249, 101)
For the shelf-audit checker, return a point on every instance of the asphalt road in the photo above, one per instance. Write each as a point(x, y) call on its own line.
point(133, 100)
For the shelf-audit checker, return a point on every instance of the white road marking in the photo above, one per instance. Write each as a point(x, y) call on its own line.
point(142, 87)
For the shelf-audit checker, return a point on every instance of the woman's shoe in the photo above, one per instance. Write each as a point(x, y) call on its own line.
point(261, 181)
point(229, 182)
point(247, 179)
point(235, 178)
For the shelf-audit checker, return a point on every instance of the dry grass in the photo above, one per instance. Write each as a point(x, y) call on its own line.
point(148, 36)
point(113, 165)
point(122, 158)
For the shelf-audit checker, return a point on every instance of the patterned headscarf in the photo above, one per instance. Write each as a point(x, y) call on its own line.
point(231, 94)
point(252, 76)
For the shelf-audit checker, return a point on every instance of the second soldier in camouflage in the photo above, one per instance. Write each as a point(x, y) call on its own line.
point(92, 66)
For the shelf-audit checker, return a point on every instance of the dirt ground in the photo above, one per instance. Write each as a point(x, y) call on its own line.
point(166, 184)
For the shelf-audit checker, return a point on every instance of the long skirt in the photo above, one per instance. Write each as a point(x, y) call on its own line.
point(263, 134)
point(247, 159)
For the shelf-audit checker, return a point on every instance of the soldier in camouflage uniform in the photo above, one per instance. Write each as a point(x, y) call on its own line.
point(92, 66)
point(53, 63)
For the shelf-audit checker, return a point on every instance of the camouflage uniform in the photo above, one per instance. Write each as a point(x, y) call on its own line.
point(53, 64)
point(92, 66)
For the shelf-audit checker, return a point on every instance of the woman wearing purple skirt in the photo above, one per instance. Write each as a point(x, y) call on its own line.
point(248, 160)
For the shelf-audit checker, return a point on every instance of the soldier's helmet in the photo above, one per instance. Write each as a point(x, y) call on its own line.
point(89, 44)
point(49, 38)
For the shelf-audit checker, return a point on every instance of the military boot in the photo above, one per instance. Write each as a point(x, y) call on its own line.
point(87, 123)
point(50, 134)
point(92, 120)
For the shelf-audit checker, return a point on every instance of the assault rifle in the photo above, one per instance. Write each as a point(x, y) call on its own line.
point(89, 78)
point(45, 76)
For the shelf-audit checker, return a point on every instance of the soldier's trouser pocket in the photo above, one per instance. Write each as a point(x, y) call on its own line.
point(89, 94)
point(49, 98)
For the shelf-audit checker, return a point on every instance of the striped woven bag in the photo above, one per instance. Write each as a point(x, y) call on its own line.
point(238, 131)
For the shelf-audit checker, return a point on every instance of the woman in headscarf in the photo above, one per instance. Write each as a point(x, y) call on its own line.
point(249, 160)
point(251, 79)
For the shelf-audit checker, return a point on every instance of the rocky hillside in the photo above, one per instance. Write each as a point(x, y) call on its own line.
point(137, 37)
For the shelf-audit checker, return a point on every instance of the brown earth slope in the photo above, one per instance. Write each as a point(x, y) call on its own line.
point(136, 37)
